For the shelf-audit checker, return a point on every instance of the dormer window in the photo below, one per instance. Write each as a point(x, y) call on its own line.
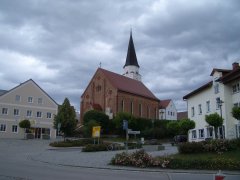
point(30, 99)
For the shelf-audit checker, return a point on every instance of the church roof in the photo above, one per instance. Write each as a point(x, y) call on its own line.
point(131, 54)
point(128, 85)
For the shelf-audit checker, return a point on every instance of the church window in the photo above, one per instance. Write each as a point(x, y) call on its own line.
point(98, 88)
point(131, 107)
point(122, 105)
point(140, 110)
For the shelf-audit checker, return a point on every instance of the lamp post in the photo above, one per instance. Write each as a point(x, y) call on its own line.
point(220, 102)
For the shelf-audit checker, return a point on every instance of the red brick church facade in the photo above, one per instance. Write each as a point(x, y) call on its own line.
point(112, 93)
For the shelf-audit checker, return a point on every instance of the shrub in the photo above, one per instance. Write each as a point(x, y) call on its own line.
point(71, 143)
point(218, 145)
point(190, 147)
point(95, 147)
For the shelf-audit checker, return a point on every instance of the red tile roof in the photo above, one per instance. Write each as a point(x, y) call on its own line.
point(164, 103)
point(128, 85)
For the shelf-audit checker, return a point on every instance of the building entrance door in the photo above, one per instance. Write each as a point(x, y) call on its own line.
point(38, 133)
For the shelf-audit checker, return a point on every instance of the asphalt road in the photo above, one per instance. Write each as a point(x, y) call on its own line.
point(17, 163)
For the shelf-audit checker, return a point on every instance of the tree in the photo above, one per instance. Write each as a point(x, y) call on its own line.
point(66, 117)
point(214, 120)
point(236, 113)
point(118, 121)
point(25, 124)
point(87, 129)
point(101, 118)
point(185, 125)
point(173, 128)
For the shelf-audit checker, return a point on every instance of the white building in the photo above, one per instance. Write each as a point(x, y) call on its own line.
point(167, 110)
point(27, 101)
point(225, 88)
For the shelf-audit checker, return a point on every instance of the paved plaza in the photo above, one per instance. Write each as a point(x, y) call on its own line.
point(32, 152)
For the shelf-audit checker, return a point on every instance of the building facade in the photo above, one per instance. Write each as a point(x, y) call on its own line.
point(27, 101)
point(219, 95)
point(113, 93)
point(167, 110)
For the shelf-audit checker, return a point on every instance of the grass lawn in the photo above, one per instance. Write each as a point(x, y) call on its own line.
point(226, 161)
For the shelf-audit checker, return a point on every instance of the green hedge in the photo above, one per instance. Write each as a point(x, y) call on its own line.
point(219, 146)
point(72, 143)
point(94, 147)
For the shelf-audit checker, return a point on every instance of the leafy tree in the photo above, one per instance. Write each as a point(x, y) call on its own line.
point(101, 118)
point(66, 117)
point(118, 121)
point(185, 125)
point(173, 128)
point(214, 120)
point(25, 124)
point(87, 129)
point(236, 113)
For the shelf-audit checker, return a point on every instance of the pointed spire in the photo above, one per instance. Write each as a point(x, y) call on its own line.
point(131, 54)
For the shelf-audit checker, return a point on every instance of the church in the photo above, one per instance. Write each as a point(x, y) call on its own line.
point(112, 93)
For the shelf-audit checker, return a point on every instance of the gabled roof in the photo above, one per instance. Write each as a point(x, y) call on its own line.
point(224, 71)
point(2, 92)
point(126, 84)
point(131, 54)
point(164, 103)
point(26, 83)
point(205, 86)
point(233, 75)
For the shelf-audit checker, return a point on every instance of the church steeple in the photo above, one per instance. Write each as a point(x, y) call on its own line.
point(131, 54)
point(131, 67)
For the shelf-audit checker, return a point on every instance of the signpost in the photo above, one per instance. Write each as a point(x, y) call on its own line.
point(125, 127)
point(96, 132)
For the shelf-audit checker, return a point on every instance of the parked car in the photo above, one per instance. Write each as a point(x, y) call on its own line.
point(180, 138)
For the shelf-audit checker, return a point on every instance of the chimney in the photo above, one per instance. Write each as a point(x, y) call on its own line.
point(235, 65)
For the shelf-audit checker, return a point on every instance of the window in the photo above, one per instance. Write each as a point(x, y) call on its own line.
point(148, 112)
point(49, 115)
point(29, 113)
point(192, 111)
point(14, 128)
point(208, 106)
point(201, 133)
point(98, 88)
point(235, 104)
point(5, 111)
point(131, 107)
point(17, 98)
point(140, 110)
point(209, 132)
point(30, 99)
point(216, 88)
point(39, 114)
point(40, 101)
point(200, 109)
point(3, 127)
point(194, 134)
point(218, 102)
point(122, 105)
point(16, 112)
point(236, 88)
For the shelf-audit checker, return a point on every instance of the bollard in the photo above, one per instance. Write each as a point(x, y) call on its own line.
point(219, 176)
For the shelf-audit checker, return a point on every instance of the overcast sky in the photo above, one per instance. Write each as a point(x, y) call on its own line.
point(60, 43)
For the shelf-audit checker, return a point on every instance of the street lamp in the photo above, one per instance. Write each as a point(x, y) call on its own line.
point(220, 102)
